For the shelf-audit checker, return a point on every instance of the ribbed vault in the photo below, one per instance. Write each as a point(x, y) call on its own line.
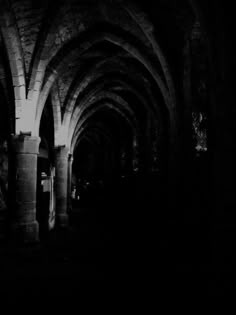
point(109, 79)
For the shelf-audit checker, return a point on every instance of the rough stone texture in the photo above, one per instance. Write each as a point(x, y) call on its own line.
point(64, 83)
point(25, 144)
point(29, 19)
point(69, 182)
point(24, 227)
point(73, 22)
point(170, 24)
point(61, 178)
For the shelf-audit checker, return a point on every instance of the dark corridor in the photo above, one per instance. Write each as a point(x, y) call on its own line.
point(117, 150)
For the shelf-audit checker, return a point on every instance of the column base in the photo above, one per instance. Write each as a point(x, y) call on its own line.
point(62, 220)
point(24, 233)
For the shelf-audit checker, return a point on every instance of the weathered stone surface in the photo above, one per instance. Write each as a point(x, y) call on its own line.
point(25, 144)
point(61, 178)
point(24, 225)
point(45, 45)
point(29, 20)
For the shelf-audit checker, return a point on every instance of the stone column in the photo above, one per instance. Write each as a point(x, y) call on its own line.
point(61, 182)
point(70, 162)
point(23, 180)
point(52, 200)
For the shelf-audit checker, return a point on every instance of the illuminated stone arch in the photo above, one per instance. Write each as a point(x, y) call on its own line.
point(132, 125)
point(97, 72)
point(78, 114)
point(88, 44)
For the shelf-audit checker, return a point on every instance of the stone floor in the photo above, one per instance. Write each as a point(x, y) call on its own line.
point(101, 254)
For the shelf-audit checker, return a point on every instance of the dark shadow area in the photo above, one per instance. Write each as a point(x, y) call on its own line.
point(120, 242)
point(137, 146)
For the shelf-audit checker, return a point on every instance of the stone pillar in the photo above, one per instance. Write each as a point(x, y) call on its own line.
point(70, 162)
point(51, 223)
point(23, 180)
point(61, 183)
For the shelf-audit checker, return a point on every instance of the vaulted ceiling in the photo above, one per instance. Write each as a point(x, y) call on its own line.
point(111, 66)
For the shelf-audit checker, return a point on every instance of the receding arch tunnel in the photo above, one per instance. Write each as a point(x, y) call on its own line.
point(117, 129)
point(109, 138)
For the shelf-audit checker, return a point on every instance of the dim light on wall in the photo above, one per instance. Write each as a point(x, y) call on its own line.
point(61, 136)
point(25, 123)
point(200, 132)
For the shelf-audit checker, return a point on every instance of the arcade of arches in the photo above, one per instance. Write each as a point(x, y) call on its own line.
point(122, 110)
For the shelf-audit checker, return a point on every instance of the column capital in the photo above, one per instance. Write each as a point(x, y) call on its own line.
point(61, 152)
point(26, 144)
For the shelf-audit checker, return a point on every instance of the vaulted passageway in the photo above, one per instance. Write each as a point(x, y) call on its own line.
point(117, 134)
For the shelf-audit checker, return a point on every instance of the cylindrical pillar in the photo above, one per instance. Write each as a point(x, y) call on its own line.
point(23, 180)
point(70, 161)
point(61, 181)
